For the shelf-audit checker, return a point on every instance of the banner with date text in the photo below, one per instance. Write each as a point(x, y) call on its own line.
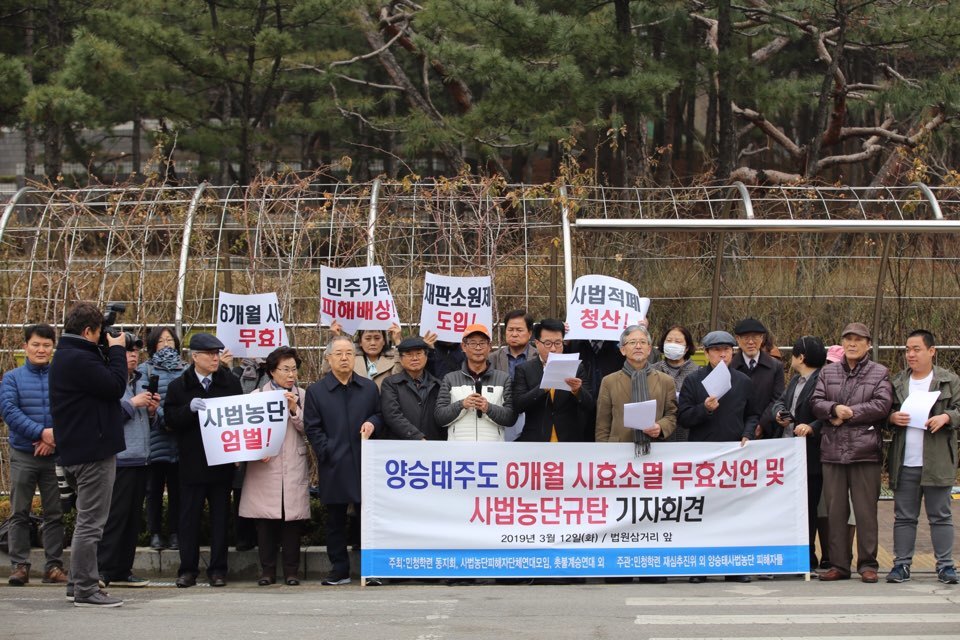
point(491, 510)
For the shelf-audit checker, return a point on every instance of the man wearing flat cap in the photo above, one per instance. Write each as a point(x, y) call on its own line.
point(476, 402)
point(408, 398)
point(730, 418)
point(199, 482)
point(765, 372)
point(853, 398)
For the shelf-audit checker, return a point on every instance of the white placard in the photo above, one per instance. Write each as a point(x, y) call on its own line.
point(357, 298)
point(476, 509)
point(559, 367)
point(601, 307)
point(451, 304)
point(243, 428)
point(918, 405)
point(640, 415)
point(717, 382)
point(250, 326)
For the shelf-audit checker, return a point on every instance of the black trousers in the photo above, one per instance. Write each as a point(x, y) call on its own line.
point(118, 546)
point(244, 529)
point(814, 489)
point(192, 497)
point(160, 476)
point(272, 534)
point(337, 523)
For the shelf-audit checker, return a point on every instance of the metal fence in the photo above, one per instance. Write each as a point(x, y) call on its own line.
point(803, 259)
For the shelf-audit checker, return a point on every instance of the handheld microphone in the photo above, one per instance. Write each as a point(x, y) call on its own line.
point(479, 387)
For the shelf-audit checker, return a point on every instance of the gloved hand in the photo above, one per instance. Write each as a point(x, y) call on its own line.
point(197, 404)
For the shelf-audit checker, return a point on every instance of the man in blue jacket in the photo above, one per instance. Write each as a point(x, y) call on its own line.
point(86, 386)
point(25, 404)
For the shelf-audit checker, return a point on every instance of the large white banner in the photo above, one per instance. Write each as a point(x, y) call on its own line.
point(250, 326)
point(459, 509)
point(451, 304)
point(243, 428)
point(357, 298)
point(601, 307)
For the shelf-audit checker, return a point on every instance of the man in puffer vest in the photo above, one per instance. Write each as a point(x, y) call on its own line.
point(476, 402)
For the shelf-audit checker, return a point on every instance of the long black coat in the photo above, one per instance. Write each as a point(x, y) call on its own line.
point(332, 415)
point(803, 414)
point(186, 424)
point(767, 380)
point(407, 415)
point(734, 419)
point(568, 413)
point(85, 393)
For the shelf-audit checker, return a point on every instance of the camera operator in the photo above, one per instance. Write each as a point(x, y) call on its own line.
point(86, 386)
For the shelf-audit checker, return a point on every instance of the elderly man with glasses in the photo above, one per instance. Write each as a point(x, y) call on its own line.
point(199, 482)
point(476, 402)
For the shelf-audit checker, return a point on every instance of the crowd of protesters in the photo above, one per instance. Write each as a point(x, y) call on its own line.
point(126, 431)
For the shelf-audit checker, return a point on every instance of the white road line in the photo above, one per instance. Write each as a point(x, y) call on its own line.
point(909, 637)
point(799, 601)
point(899, 619)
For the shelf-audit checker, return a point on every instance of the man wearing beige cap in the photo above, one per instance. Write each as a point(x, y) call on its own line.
point(853, 397)
point(476, 402)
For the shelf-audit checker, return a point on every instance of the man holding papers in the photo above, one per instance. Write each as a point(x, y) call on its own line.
point(923, 456)
point(716, 401)
point(635, 383)
point(555, 404)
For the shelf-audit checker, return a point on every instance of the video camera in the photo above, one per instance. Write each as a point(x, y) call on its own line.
point(114, 309)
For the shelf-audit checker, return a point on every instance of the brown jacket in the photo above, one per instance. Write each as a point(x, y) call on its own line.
point(616, 391)
point(866, 390)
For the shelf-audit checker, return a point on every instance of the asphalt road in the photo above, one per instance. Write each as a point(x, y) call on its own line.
point(784, 608)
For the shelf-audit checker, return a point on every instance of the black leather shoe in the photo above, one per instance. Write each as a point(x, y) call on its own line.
point(218, 581)
point(697, 579)
point(736, 578)
point(292, 582)
point(186, 580)
point(266, 581)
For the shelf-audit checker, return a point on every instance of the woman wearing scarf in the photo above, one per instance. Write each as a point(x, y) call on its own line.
point(163, 349)
point(636, 382)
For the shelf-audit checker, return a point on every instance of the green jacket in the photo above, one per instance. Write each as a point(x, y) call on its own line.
point(940, 448)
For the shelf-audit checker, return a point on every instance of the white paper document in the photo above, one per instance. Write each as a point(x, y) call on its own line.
point(559, 367)
point(718, 382)
point(918, 404)
point(640, 415)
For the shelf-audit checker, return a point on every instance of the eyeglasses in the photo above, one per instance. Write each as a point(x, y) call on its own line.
point(287, 369)
point(476, 344)
point(633, 343)
point(550, 344)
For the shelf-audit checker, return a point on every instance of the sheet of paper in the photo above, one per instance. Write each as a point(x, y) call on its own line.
point(918, 404)
point(718, 382)
point(559, 367)
point(640, 415)
point(513, 432)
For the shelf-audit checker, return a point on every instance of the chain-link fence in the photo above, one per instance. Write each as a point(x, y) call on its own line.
point(804, 260)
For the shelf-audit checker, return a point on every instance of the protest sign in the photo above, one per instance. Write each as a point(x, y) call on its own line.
point(357, 298)
point(451, 304)
point(601, 307)
point(250, 326)
point(457, 509)
point(243, 428)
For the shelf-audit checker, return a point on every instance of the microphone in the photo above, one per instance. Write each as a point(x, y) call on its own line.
point(479, 387)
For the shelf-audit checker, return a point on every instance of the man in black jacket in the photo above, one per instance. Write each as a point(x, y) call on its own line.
point(552, 415)
point(729, 418)
point(407, 399)
point(85, 393)
point(765, 372)
point(199, 482)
